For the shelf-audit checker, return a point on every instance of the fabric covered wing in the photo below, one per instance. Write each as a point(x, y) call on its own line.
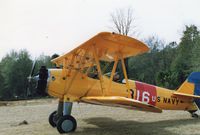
point(107, 46)
point(121, 102)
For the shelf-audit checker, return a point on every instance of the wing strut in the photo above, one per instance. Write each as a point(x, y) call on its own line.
point(124, 71)
point(99, 70)
point(113, 72)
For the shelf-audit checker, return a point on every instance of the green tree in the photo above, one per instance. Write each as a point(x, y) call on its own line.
point(6, 65)
point(15, 68)
point(164, 75)
point(182, 65)
point(145, 67)
point(196, 55)
point(20, 72)
point(1, 84)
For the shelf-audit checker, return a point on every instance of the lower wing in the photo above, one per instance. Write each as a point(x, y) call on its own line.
point(121, 102)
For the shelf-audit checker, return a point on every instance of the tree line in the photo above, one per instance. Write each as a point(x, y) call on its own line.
point(165, 65)
point(15, 67)
point(168, 65)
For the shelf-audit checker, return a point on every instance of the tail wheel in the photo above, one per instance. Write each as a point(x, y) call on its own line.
point(194, 115)
point(66, 124)
point(52, 119)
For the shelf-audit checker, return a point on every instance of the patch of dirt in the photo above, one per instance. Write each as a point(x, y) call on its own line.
point(93, 119)
point(26, 102)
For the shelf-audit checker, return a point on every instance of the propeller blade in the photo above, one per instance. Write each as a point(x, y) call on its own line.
point(32, 72)
point(33, 68)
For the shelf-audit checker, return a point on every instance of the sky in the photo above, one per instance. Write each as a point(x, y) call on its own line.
point(57, 26)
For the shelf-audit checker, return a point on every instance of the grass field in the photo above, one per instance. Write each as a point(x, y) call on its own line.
point(98, 120)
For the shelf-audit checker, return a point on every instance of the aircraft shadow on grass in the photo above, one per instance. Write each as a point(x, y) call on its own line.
point(107, 126)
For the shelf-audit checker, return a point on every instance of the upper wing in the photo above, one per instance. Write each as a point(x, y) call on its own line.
point(107, 46)
point(121, 102)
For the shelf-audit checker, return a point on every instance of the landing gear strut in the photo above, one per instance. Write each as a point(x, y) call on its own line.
point(62, 118)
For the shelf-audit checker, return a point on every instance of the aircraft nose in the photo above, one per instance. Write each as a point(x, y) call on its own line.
point(42, 81)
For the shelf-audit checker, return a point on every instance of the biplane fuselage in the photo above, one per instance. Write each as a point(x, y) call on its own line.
point(76, 87)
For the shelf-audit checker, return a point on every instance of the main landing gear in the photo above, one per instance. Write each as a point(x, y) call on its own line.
point(62, 118)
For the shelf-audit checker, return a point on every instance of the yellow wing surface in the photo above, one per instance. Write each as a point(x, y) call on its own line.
point(121, 102)
point(186, 95)
point(107, 46)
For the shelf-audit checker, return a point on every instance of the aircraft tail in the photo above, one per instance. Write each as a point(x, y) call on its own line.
point(191, 87)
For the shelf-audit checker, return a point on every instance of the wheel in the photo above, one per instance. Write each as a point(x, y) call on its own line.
point(52, 119)
point(194, 115)
point(66, 124)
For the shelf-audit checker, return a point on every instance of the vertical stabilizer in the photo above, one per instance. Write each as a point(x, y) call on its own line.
point(192, 86)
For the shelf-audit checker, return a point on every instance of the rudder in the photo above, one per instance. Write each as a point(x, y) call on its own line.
point(192, 86)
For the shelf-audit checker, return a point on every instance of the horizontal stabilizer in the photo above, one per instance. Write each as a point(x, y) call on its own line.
point(186, 95)
point(121, 102)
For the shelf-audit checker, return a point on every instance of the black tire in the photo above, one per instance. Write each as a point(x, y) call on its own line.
point(52, 120)
point(195, 116)
point(66, 124)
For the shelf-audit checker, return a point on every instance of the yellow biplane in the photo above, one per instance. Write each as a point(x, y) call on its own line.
point(91, 74)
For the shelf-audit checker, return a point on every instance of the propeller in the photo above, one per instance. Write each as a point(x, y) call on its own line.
point(41, 79)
